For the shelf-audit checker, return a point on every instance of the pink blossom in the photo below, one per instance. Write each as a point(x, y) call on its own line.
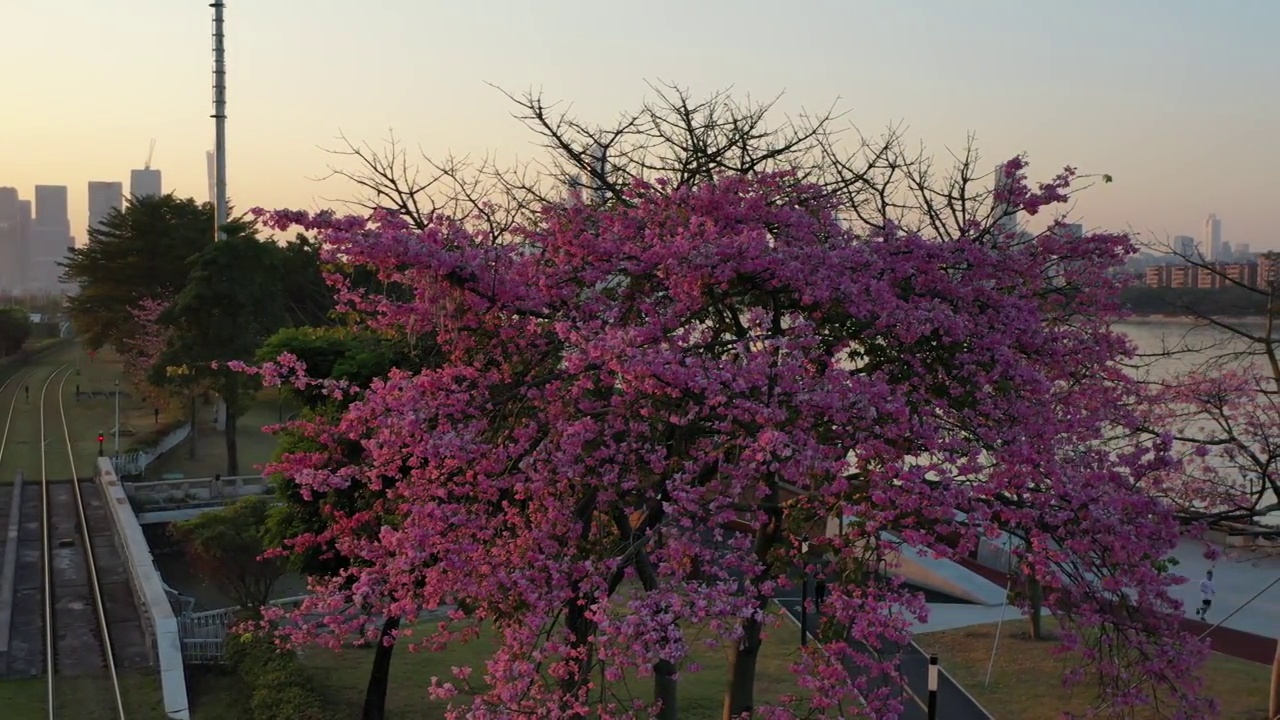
point(608, 395)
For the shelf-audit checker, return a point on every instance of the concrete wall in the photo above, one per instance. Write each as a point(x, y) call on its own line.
point(158, 620)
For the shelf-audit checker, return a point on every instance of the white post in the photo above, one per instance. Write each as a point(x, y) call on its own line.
point(219, 122)
point(991, 663)
point(931, 709)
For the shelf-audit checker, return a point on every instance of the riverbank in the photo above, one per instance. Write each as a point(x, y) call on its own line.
point(1186, 318)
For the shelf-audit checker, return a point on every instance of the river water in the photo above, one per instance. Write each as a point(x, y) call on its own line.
point(1197, 345)
point(1154, 335)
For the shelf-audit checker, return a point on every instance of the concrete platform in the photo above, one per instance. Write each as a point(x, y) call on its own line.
point(946, 577)
point(1238, 575)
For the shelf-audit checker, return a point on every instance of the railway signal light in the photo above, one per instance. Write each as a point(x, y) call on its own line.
point(101, 438)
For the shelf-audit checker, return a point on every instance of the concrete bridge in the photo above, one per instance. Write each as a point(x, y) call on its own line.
point(177, 499)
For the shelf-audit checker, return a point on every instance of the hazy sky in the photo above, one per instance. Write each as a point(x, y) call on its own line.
point(1175, 98)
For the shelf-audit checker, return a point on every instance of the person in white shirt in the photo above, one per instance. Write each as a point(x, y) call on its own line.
point(1207, 592)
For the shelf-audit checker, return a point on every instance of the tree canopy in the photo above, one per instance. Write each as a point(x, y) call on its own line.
point(140, 252)
point(226, 547)
point(233, 300)
point(15, 328)
point(629, 379)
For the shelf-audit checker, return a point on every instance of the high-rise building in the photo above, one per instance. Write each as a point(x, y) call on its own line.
point(1243, 250)
point(50, 237)
point(13, 261)
point(1184, 245)
point(51, 206)
point(1227, 253)
point(1006, 225)
point(26, 213)
point(145, 183)
point(103, 198)
point(1213, 237)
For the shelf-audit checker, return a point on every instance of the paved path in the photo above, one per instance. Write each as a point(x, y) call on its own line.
point(1226, 640)
point(953, 702)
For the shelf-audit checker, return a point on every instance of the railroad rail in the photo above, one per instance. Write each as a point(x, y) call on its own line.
point(58, 620)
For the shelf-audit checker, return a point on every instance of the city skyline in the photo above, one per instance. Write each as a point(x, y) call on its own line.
point(1095, 85)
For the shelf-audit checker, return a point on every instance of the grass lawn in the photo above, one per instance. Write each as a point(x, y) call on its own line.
point(255, 446)
point(1026, 677)
point(341, 677)
point(83, 698)
point(87, 417)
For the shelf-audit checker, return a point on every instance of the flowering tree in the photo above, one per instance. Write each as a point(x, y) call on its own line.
point(1220, 405)
point(356, 358)
point(627, 380)
point(1228, 423)
point(142, 350)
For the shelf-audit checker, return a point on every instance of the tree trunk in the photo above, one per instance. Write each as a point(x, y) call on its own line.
point(1273, 707)
point(1035, 601)
point(233, 460)
point(666, 690)
point(740, 696)
point(191, 437)
point(375, 694)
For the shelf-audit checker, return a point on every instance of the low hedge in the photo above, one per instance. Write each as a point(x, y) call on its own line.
point(278, 686)
point(11, 364)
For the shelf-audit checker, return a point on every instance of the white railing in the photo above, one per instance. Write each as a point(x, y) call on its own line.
point(204, 634)
point(164, 493)
point(135, 462)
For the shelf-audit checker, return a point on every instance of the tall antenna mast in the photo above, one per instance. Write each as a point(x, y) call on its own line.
point(219, 122)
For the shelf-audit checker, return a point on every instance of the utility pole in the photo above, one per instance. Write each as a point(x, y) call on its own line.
point(117, 421)
point(219, 122)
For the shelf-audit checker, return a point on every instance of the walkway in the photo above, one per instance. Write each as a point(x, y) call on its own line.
point(953, 702)
point(1226, 640)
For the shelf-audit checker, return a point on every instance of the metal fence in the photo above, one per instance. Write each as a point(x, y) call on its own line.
point(204, 634)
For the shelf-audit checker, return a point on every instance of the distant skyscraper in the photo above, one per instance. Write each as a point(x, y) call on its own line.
point(13, 260)
point(50, 238)
point(103, 198)
point(1227, 252)
point(51, 207)
point(26, 215)
point(1242, 250)
point(145, 183)
point(1184, 245)
point(1213, 237)
point(1075, 231)
point(211, 170)
point(1006, 225)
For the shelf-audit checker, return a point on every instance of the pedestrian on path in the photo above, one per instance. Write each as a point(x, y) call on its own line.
point(820, 581)
point(1207, 592)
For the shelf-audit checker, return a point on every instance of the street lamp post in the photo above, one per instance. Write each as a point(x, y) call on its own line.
point(804, 592)
point(932, 707)
point(117, 433)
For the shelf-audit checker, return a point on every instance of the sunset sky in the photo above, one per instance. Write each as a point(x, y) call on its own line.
point(1177, 99)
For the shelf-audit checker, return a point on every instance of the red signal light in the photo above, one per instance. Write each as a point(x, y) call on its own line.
point(100, 437)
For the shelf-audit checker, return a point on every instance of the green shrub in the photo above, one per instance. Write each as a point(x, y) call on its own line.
point(278, 686)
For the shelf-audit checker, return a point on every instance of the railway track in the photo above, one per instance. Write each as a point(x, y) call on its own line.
point(59, 595)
